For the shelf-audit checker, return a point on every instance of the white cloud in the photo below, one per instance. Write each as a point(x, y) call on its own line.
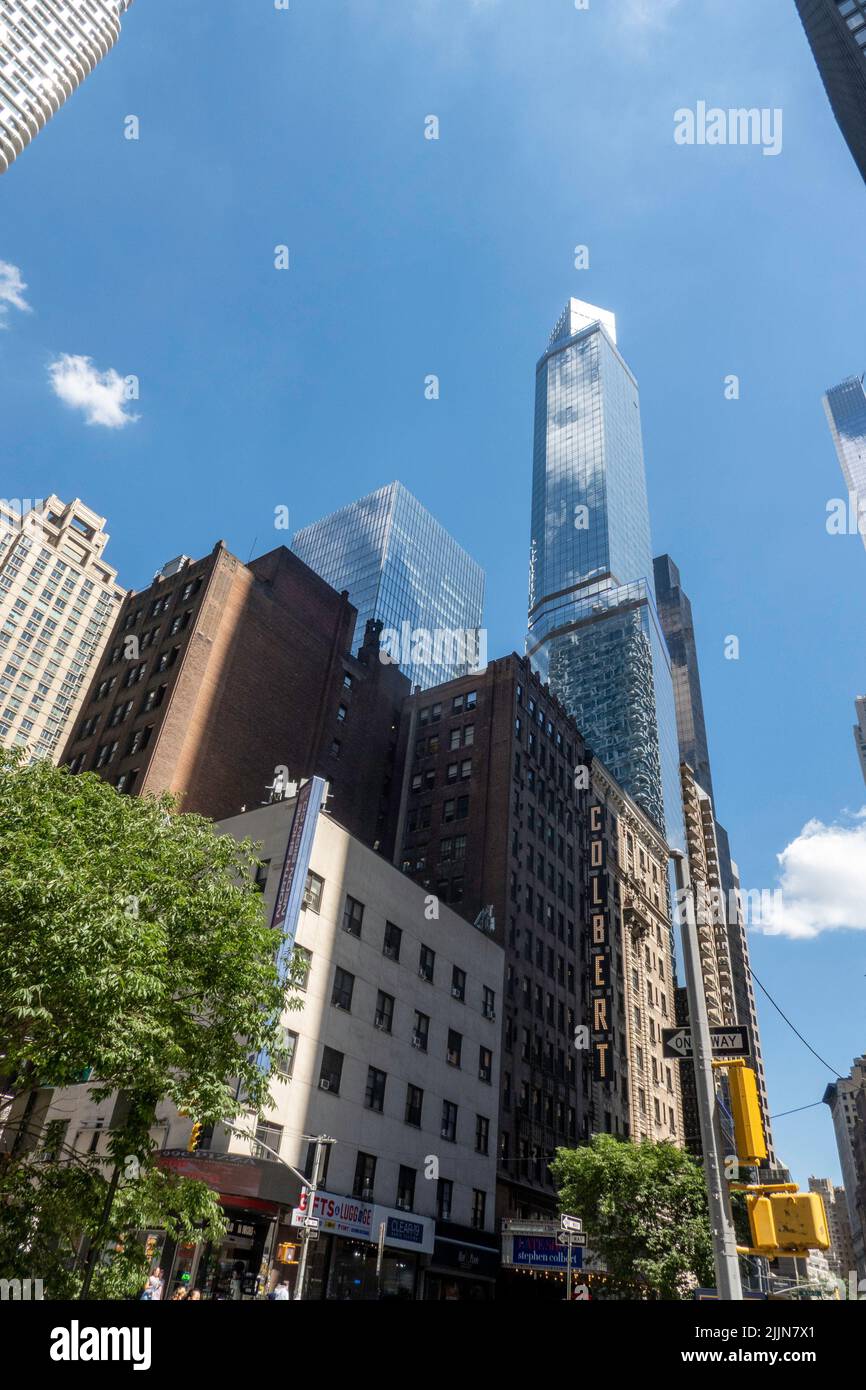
point(101, 395)
point(12, 289)
point(822, 880)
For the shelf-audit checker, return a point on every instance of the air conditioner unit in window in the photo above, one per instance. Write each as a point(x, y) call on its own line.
point(444, 1132)
point(417, 1042)
point(324, 1083)
point(456, 993)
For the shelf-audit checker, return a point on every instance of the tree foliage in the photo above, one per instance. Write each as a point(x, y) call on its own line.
point(644, 1210)
point(133, 949)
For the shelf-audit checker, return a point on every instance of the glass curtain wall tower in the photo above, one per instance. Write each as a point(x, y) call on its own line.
point(845, 407)
point(594, 632)
point(836, 30)
point(404, 569)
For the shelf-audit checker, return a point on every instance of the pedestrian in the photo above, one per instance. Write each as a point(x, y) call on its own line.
point(195, 1296)
point(153, 1289)
point(179, 1295)
point(280, 1294)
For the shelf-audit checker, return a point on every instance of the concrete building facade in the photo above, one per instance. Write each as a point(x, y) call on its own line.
point(846, 1098)
point(58, 603)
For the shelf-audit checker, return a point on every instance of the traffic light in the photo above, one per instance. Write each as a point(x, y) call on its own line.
point(784, 1221)
point(746, 1111)
point(194, 1137)
point(287, 1254)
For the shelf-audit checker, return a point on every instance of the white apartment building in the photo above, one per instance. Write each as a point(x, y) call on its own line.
point(58, 604)
point(394, 1055)
point(47, 49)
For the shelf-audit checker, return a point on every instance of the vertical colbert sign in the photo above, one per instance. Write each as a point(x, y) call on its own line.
point(600, 983)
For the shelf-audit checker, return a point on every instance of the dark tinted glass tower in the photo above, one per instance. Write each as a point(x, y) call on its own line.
point(675, 611)
point(836, 30)
point(594, 632)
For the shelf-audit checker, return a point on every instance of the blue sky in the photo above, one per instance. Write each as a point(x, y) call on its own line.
point(305, 388)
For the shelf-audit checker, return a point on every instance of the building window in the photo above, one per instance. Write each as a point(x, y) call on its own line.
point(458, 984)
point(353, 915)
point(374, 1095)
point(104, 754)
point(482, 1134)
point(485, 1065)
point(414, 1105)
point(284, 1055)
point(391, 946)
point(140, 739)
point(444, 1199)
point(268, 1141)
point(421, 1031)
point(455, 1048)
point(384, 1011)
point(341, 714)
point(365, 1177)
point(341, 994)
point(126, 781)
point(479, 1207)
point(313, 892)
point(332, 1070)
point(449, 1121)
point(406, 1188)
point(302, 961)
point(426, 964)
point(488, 1006)
point(261, 878)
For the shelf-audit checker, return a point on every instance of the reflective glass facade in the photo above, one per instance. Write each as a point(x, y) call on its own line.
point(845, 405)
point(594, 632)
point(401, 566)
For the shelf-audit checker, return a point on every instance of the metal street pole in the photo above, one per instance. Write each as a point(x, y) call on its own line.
point(568, 1286)
point(725, 1256)
point(318, 1169)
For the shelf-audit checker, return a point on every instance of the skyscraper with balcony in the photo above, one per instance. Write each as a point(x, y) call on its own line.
point(400, 566)
point(836, 30)
point(47, 49)
point(594, 632)
point(845, 406)
point(58, 603)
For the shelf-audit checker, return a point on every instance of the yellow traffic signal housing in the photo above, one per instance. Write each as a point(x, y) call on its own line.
point(746, 1112)
point(785, 1221)
point(194, 1137)
point(287, 1254)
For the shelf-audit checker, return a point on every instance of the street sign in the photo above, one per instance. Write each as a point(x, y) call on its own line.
point(530, 1228)
point(571, 1223)
point(727, 1042)
point(571, 1238)
point(312, 1223)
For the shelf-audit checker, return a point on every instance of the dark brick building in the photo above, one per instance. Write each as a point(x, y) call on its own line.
point(491, 818)
point(221, 674)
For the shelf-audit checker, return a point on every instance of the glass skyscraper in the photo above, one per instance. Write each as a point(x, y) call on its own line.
point(845, 405)
point(594, 632)
point(401, 567)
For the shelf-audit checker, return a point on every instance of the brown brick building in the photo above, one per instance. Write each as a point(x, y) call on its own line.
point(221, 674)
point(502, 805)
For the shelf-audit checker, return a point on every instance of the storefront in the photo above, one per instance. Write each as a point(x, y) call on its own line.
point(364, 1252)
point(256, 1195)
point(464, 1265)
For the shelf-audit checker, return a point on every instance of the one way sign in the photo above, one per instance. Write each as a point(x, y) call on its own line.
point(727, 1042)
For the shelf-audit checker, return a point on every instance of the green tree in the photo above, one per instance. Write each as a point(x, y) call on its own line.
point(644, 1210)
point(133, 948)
